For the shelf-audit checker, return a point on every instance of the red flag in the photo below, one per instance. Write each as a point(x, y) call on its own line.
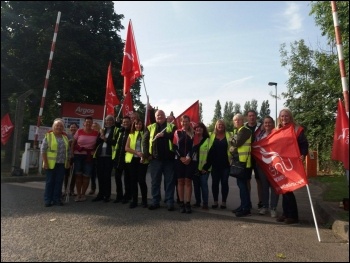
point(131, 69)
point(192, 112)
point(282, 165)
point(111, 99)
point(340, 151)
point(128, 108)
point(6, 128)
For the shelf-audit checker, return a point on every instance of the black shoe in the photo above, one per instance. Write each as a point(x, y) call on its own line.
point(188, 208)
point(118, 200)
point(153, 207)
point(171, 208)
point(106, 199)
point(144, 205)
point(243, 213)
point(182, 208)
point(125, 201)
point(215, 206)
point(238, 209)
point(97, 198)
point(223, 206)
point(48, 205)
point(260, 205)
point(197, 205)
point(132, 205)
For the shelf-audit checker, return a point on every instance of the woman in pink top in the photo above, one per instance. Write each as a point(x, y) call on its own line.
point(83, 148)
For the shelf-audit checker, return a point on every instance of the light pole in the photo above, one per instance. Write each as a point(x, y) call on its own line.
point(274, 84)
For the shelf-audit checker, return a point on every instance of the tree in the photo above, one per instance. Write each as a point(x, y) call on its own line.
point(217, 116)
point(264, 109)
point(312, 92)
point(236, 109)
point(247, 107)
point(87, 40)
point(228, 115)
point(200, 112)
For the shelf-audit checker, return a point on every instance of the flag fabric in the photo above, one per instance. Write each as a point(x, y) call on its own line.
point(340, 150)
point(192, 112)
point(128, 108)
point(6, 128)
point(131, 69)
point(111, 99)
point(282, 165)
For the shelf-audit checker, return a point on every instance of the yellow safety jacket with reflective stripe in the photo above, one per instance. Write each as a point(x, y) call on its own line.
point(115, 147)
point(133, 139)
point(245, 149)
point(52, 149)
point(228, 136)
point(203, 153)
point(152, 130)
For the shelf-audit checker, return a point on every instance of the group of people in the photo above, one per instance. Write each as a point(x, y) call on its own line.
point(185, 156)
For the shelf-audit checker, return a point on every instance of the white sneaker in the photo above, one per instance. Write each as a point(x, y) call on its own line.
point(262, 211)
point(273, 213)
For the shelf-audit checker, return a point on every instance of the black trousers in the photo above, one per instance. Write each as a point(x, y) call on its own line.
point(289, 205)
point(104, 174)
point(138, 173)
point(119, 172)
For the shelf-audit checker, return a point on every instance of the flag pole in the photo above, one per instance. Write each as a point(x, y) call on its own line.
point(313, 213)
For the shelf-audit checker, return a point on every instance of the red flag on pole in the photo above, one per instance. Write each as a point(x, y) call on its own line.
point(131, 69)
point(111, 99)
point(340, 151)
point(192, 112)
point(6, 128)
point(282, 165)
point(128, 108)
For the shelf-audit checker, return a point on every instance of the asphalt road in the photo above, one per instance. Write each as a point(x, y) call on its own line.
point(88, 231)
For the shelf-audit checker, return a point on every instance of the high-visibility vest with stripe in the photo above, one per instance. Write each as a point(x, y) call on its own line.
point(152, 130)
point(52, 149)
point(227, 135)
point(203, 153)
point(133, 139)
point(115, 147)
point(245, 149)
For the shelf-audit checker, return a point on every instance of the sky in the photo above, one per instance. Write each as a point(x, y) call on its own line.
point(210, 51)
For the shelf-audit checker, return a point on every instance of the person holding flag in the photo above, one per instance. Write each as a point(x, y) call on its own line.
point(289, 204)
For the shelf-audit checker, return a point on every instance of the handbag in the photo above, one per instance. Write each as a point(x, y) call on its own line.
point(237, 169)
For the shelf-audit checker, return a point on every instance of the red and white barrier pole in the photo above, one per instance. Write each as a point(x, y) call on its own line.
point(338, 38)
point(46, 80)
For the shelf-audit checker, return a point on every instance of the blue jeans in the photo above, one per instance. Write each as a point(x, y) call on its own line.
point(244, 193)
point(220, 175)
point(200, 186)
point(157, 169)
point(269, 196)
point(54, 182)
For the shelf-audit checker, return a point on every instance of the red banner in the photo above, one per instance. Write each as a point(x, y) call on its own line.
point(111, 99)
point(278, 155)
point(6, 128)
point(128, 108)
point(131, 69)
point(340, 151)
point(192, 112)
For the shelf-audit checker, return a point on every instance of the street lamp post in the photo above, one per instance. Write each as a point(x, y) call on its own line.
point(274, 84)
